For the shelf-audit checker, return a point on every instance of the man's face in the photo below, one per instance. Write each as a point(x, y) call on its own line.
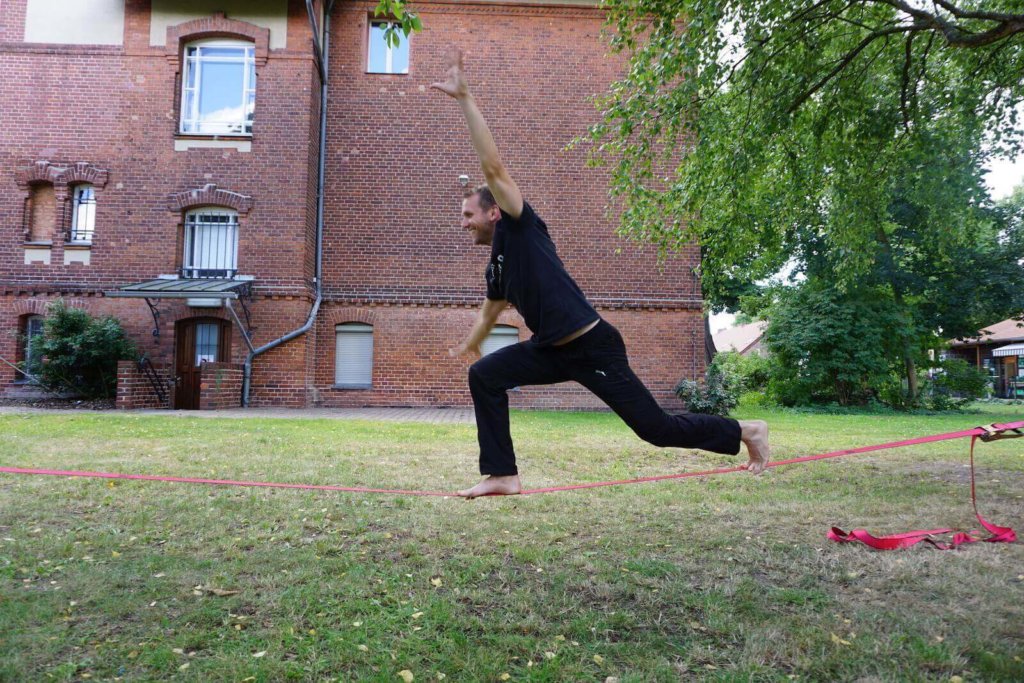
point(479, 221)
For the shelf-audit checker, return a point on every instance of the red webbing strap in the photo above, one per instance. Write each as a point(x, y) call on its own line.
point(999, 534)
point(984, 432)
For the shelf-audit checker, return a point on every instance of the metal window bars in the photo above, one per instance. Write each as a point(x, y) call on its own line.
point(211, 245)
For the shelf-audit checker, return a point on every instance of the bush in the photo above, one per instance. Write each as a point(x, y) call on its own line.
point(955, 384)
point(715, 397)
point(744, 373)
point(79, 353)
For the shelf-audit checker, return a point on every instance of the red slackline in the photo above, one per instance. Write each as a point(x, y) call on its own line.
point(999, 534)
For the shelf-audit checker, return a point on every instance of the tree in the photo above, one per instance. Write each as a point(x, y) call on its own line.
point(739, 121)
point(830, 346)
point(768, 129)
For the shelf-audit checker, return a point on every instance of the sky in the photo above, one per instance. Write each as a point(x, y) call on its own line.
point(1003, 175)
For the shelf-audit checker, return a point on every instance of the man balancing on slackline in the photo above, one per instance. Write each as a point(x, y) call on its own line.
point(570, 340)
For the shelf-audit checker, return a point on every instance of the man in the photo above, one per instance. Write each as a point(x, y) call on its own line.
point(570, 340)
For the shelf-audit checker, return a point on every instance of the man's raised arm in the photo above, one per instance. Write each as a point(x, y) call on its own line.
point(504, 189)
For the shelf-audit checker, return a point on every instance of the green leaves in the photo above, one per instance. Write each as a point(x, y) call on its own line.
point(746, 125)
point(79, 353)
point(406, 21)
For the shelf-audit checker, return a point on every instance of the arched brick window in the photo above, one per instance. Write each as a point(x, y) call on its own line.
point(83, 213)
point(41, 213)
point(29, 327)
point(353, 355)
point(211, 243)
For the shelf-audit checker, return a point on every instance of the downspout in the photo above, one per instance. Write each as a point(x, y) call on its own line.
point(321, 52)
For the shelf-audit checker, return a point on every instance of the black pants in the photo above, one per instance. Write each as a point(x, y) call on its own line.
point(597, 360)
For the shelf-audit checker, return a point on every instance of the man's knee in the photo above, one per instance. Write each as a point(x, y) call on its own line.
point(478, 374)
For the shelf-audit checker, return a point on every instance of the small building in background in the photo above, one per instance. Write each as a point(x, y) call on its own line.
point(743, 339)
point(998, 350)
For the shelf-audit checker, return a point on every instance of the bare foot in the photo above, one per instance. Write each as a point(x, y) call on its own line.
point(494, 486)
point(754, 435)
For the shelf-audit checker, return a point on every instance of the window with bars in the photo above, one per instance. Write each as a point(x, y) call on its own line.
point(383, 58)
point(83, 214)
point(353, 356)
point(211, 244)
point(218, 88)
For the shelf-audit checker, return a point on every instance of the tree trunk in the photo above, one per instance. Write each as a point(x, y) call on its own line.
point(908, 363)
point(709, 341)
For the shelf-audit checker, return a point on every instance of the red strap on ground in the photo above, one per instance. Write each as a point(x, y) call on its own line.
point(977, 431)
point(999, 534)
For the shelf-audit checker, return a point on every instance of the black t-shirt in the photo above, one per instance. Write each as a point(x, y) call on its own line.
point(525, 271)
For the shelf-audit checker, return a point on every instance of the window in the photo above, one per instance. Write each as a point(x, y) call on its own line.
point(211, 243)
point(353, 356)
point(500, 337)
point(218, 88)
point(42, 213)
point(83, 213)
point(207, 336)
point(31, 327)
point(383, 58)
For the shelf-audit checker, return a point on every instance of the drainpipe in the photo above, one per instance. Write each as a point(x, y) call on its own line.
point(322, 59)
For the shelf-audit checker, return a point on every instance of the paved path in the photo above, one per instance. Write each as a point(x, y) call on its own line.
point(432, 415)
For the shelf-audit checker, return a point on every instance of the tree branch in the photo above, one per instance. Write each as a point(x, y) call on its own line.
point(907, 56)
point(849, 57)
point(989, 16)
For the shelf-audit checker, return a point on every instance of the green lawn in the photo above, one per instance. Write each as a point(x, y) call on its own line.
point(721, 578)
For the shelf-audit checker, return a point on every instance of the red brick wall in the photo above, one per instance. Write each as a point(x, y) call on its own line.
point(411, 364)
point(135, 390)
point(393, 248)
point(220, 386)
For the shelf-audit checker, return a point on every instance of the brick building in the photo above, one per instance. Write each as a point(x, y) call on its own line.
point(160, 161)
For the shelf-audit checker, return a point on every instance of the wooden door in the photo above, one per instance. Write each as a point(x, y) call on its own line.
point(198, 340)
point(186, 370)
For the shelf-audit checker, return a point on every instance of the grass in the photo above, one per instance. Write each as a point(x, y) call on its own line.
point(724, 578)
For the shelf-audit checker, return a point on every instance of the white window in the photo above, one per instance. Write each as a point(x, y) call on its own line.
point(353, 355)
point(207, 336)
point(383, 58)
point(499, 337)
point(33, 327)
point(83, 213)
point(218, 88)
point(211, 243)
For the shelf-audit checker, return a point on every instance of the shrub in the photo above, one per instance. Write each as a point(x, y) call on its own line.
point(78, 353)
point(956, 384)
point(715, 397)
point(744, 373)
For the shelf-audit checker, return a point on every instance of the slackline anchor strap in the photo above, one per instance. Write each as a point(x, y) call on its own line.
point(998, 534)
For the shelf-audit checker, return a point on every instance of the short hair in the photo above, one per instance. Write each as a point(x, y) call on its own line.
point(485, 195)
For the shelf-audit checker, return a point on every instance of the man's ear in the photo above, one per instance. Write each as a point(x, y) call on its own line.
point(494, 213)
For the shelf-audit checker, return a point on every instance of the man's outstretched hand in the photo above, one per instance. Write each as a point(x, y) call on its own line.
point(464, 349)
point(455, 84)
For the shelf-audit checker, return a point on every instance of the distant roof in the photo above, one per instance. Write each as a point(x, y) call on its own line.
point(739, 338)
point(1007, 330)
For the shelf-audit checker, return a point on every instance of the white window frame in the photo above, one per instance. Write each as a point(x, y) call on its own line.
point(204, 342)
point(26, 350)
point(190, 122)
point(355, 333)
point(211, 246)
point(389, 52)
point(499, 337)
point(83, 214)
